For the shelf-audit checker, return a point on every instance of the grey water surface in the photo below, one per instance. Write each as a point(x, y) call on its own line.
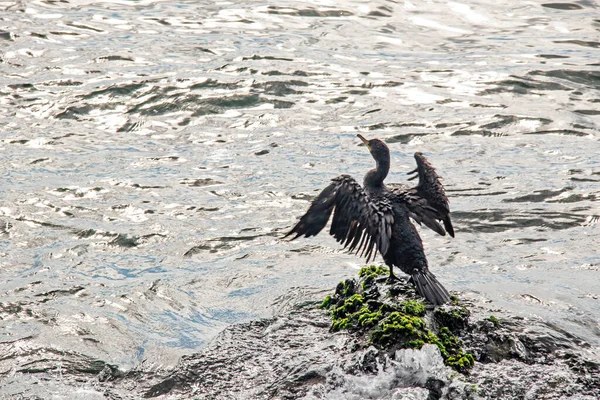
point(153, 153)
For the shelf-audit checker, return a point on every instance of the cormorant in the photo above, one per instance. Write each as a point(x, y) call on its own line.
point(376, 218)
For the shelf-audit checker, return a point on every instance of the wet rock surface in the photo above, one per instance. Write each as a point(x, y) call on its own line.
point(302, 354)
point(269, 358)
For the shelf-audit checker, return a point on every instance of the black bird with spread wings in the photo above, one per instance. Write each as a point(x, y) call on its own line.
point(377, 218)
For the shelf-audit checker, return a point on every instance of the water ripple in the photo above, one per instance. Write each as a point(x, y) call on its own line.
point(154, 153)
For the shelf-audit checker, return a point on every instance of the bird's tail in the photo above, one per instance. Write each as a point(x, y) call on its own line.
point(429, 287)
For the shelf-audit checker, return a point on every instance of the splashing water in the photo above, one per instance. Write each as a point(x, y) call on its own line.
point(410, 375)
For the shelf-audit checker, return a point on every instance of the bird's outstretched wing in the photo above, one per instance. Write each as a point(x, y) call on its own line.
point(431, 189)
point(359, 223)
point(419, 209)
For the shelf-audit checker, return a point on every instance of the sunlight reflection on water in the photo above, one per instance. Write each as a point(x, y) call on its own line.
point(163, 148)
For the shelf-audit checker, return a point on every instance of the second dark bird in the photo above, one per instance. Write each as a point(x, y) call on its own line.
point(377, 218)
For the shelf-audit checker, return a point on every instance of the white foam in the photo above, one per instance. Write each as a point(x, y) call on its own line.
point(403, 378)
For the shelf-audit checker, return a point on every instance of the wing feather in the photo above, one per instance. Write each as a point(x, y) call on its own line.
point(431, 189)
point(357, 237)
point(359, 223)
point(420, 210)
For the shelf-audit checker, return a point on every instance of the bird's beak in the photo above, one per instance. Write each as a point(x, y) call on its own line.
point(365, 141)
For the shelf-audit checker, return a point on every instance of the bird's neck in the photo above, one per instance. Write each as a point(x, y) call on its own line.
point(375, 177)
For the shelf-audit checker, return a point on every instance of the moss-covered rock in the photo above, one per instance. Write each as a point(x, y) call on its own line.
point(346, 288)
point(396, 328)
point(326, 303)
point(368, 276)
point(452, 316)
point(367, 318)
point(350, 305)
point(373, 271)
point(397, 321)
point(413, 307)
point(462, 362)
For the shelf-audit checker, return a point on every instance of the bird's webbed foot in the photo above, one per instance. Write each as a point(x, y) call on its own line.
point(393, 279)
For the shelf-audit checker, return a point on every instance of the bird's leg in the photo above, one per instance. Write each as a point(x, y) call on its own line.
point(392, 278)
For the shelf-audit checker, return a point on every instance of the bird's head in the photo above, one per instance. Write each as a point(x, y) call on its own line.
point(377, 147)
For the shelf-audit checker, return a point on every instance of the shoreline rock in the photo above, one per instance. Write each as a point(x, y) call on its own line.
point(374, 340)
point(369, 339)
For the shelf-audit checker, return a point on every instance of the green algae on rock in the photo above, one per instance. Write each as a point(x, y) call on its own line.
point(344, 314)
point(453, 316)
point(346, 288)
point(493, 320)
point(368, 318)
point(398, 327)
point(413, 307)
point(455, 356)
point(397, 320)
point(370, 273)
point(373, 271)
point(326, 303)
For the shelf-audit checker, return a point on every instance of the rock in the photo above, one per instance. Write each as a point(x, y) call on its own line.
point(383, 341)
point(366, 340)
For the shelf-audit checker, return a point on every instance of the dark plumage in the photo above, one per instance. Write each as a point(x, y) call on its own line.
point(431, 188)
point(376, 218)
